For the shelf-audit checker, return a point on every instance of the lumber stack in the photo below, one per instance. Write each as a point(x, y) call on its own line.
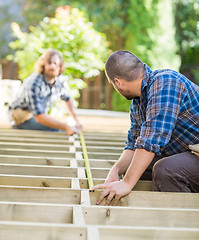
point(44, 193)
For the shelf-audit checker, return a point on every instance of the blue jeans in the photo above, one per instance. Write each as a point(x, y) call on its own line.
point(32, 124)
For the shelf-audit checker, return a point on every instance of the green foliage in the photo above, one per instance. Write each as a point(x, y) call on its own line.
point(141, 21)
point(84, 49)
point(187, 36)
point(108, 17)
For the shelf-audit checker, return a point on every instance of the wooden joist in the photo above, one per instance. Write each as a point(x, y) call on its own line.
point(44, 193)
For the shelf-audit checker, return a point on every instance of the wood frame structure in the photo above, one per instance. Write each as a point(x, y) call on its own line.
point(44, 193)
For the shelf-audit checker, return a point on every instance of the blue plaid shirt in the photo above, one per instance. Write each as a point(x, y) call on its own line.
point(37, 95)
point(165, 119)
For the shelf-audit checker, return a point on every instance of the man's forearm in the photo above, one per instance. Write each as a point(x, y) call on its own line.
point(140, 162)
point(124, 161)
point(46, 120)
point(71, 109)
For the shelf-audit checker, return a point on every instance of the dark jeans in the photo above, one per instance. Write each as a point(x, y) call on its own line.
point(32, 124)
point(175, 173)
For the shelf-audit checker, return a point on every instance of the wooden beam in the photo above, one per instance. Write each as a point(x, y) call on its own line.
point(38, 146)
point(36, 213)
point(108, 144)
point(97, 163)
point(156, 199)
point(41, 231)
point(78, 217)
point(40, 195)
point(102, 149)
point(108, 156)
point(93, 233)
point(38, 153)
point(33, 134)
point(36, 181)
point(143, 233)
point(26, 160)
point(140, 186)
point(142, 217)
point(37, 170)
point(35, 140)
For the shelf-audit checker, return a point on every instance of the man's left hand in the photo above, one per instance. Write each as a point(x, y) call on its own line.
point(112, 190)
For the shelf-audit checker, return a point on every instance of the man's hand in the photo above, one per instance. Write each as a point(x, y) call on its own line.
point(71, 130)
point(113, 190)
point(78, 125)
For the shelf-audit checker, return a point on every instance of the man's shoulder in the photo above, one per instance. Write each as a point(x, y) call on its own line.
point(33, 77)
point(166, 73)
point(168, 77)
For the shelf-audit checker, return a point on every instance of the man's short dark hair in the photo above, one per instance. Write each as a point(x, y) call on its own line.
point(125, 65)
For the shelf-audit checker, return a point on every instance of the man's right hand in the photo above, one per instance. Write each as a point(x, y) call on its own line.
point(71, 130)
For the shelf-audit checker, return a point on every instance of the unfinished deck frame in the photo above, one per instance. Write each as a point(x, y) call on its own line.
point(44, 193)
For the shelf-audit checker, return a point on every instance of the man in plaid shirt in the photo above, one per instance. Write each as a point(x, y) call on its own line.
point(164, 121)
point(39, 92)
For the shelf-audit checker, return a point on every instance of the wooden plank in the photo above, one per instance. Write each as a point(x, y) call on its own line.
point(143, 233)
point(85, 198)
point(108, 156)
point(120, 140)
point(75, 183)
point(37, 170)
point(95, 215)
point(46, 231)
point(38, 146)
point(100, 172)
point(93, 233)
point(35, 140)
point(108, 144)
point(140, 186)
point(97, 163)
point(38, 153)
point(156, 199)
point(33, 134)
point(35, 213)
point(81, 173)
point(41, 231)
point(26, 160)
point(104, 134)
point(40, 195)
point(102, 149)
point(78, 217)
point(36, 181)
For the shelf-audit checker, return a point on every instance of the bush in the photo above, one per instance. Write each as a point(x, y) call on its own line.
point(84, 49)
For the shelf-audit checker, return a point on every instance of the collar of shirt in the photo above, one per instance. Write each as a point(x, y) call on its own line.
point(47, 82)
point(147, 74)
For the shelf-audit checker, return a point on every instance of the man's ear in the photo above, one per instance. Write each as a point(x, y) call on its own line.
point(118, 82)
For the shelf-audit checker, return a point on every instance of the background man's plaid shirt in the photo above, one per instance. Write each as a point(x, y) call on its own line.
point(37, 95)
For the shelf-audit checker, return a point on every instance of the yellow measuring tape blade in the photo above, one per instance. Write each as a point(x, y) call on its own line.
point(86, 160)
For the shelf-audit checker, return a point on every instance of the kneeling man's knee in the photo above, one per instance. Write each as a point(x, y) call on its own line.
point(166, 178)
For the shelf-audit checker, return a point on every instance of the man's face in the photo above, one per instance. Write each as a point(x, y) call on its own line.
point(52, 68)
point(124, 91)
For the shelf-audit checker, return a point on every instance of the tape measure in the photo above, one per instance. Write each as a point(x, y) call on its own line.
point(86, 160)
